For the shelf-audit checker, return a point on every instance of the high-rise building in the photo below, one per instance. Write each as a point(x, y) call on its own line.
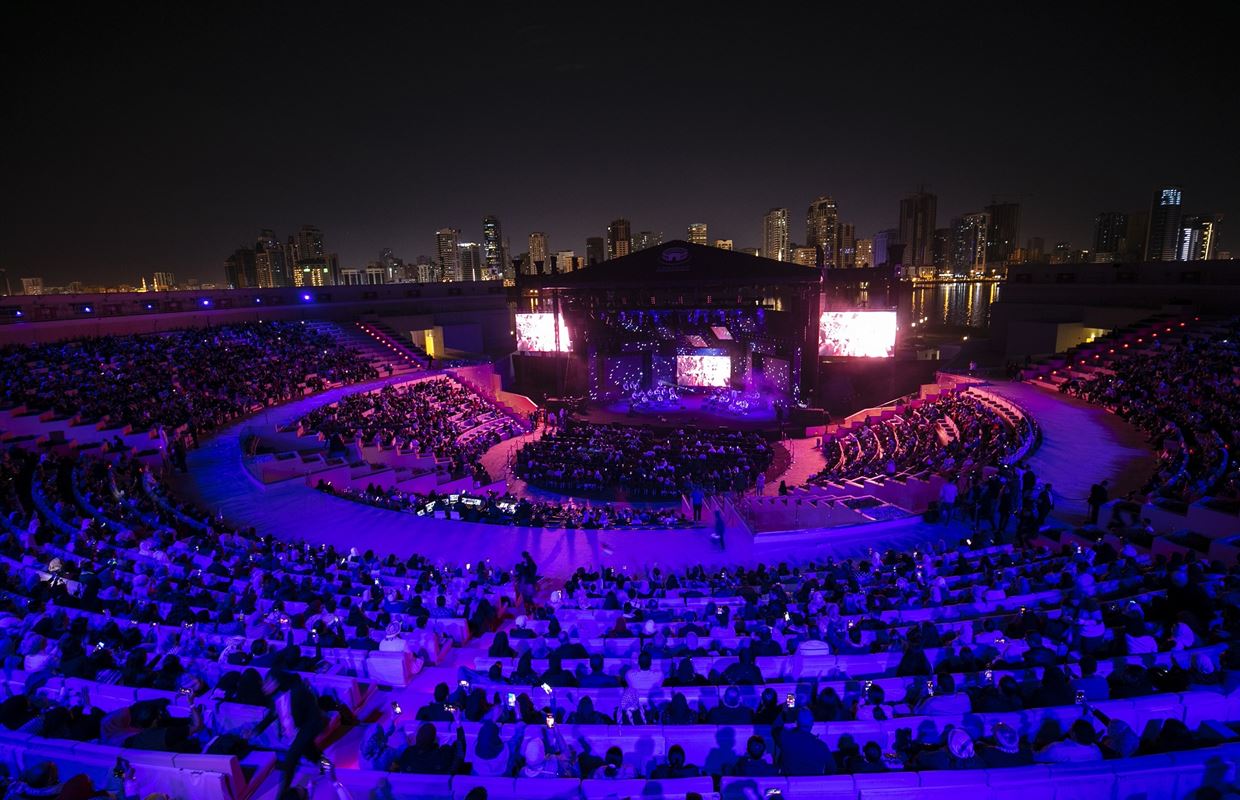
point(311, 264)
point(32, 286)
point(805, 256)
point(510, 265)
point(1003, 237)
point(163, 282)
point(447, 249)
point(917, 223)
point(495, 257)
point(723, 244)
point(1197, 237)
point(943, 250)
point(565, 261)
point(596, 250)
point(1063, 253)
point(1135, 236)
point(472, 261)
point(538, 251)
point(845, 245)
point(697, 233)
point(308, 243)
point(969, 234)
point(775, 235)
point(821, 222)
point(240, 271)
point(619, 238)
point(426, 270)
point(647, 239)
point(271, 260)
point(1110, 229)
point(393, 267)
point(317, 271)
point(1035, 249)
point(865, 253)
point(884, 253)
point(1162, 243)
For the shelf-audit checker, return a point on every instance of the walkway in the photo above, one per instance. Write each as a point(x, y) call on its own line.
point(1081, 445)
point(806, 462)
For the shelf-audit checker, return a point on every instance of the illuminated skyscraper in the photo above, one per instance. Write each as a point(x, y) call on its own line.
point(917, 223)
point(619, 238)
point(969, 234)
point(271, 260)
point(447, 250)
point(820, 230)
point(1197, 238)
point(538, 251)
point(565, 261)
point(865, 253)
point(775, 235)
point(472, 261)
point(163, 282)
point(1163, 241)
point(845, 245)
point(308, 243)
point(805, 256)
point(1003, 236)
point(1110, 229)
point(493, 252)
point(647, 239)
point(697, 233)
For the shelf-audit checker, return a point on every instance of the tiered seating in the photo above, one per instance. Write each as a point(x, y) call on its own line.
point(951, 434)
point(128, 578)
point(1178, 382)
point(198, 379)
point(853, 645)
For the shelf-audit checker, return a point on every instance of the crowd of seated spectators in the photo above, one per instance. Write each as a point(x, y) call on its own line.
point(103, 580)
point(106, 582)
point(435, 415)
point(507, 509)
point(1160, 627)
point(1181, 389)
point(952, 434)
point(200, 378)
point(646, 463)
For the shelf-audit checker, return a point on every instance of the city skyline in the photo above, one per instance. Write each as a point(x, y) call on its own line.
point(145, 151)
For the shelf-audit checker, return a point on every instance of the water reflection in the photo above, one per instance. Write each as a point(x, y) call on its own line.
point(955, 305)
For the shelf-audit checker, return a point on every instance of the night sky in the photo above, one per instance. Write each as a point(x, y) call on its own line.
point(163, 137)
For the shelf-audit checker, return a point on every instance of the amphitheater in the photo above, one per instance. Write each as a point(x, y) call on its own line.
point(301, 557)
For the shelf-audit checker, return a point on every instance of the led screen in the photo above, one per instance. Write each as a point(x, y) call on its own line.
point(703, 370)
point(862, 334)
point(536, 334)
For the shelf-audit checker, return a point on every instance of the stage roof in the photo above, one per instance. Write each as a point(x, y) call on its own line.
point(679, 262)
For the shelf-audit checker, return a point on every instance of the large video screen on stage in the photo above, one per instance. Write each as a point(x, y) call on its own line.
point(703, 370)
point(860, 334)
point(536, 334)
